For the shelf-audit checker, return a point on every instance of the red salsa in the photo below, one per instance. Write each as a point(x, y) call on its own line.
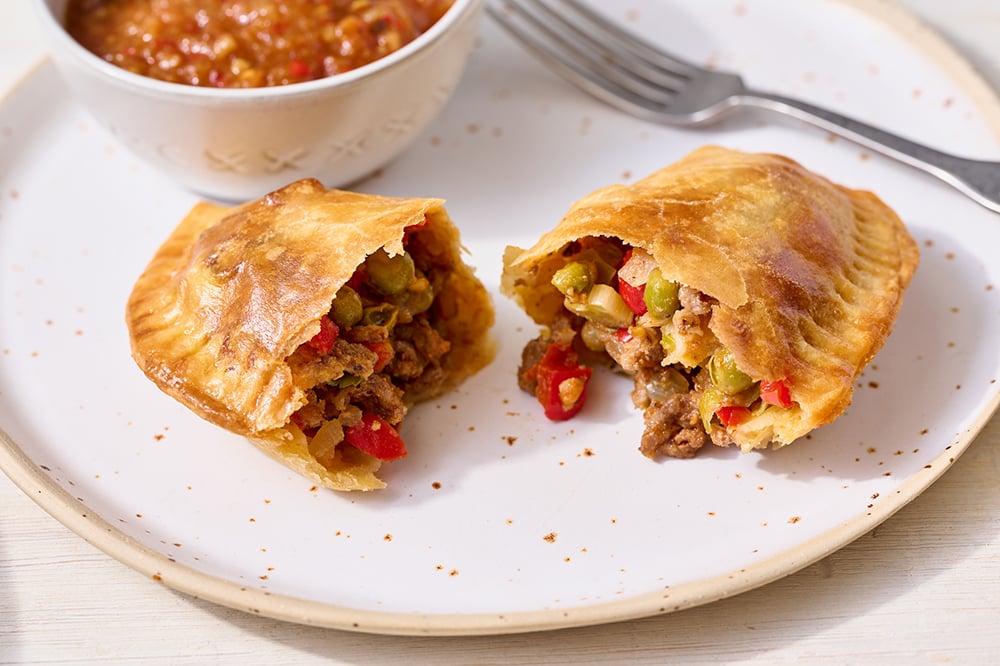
point(247, 43)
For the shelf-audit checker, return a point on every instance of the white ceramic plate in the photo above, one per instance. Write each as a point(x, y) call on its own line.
point(500, 521)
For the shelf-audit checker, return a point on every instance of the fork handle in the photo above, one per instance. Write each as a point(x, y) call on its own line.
point(978, 179)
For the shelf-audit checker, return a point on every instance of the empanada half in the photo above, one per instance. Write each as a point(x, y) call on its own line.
point(232, 317)
point(773, 288)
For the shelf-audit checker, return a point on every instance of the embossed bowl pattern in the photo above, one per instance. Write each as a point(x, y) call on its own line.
point(238, 144)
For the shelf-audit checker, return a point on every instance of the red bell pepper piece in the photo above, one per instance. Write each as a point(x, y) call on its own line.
point(414, 227)
point(624, 334)
point(300, 422)
point(633, 296)
point(776, 393)
point(328, 332)
point(732, 415)
point(358, 278)
point(384, 351)
point(373, 435)
point(562, 383)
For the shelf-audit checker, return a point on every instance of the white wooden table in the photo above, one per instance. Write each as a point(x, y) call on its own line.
point(924, 588)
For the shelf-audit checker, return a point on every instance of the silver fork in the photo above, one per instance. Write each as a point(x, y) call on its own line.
point(642, 80)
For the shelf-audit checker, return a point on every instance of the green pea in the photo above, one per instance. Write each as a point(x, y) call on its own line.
point(725, 375)
point(380, 315)
point(573, 278)
point(347, 308)
point(416, 300)
point(660, 295)
point(390, 275)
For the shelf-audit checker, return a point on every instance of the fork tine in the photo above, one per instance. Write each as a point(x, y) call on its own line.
point(599, 74)
point(628, 59)
point(638, 47)
point(673, 92)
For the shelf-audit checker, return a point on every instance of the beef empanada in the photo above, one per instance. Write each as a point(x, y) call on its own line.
point(742, 292)
point(310, 320)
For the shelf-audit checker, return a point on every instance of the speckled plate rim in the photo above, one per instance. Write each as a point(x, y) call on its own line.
point(74, 515)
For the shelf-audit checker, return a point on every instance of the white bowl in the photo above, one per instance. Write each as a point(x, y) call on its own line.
point(238, 144)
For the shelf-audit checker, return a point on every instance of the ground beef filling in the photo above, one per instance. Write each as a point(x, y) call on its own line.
point(386, 345)
point(664, 354)
point(668, 396)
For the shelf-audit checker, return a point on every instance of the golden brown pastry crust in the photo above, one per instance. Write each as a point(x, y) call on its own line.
point(809, 276)
point(233, 292)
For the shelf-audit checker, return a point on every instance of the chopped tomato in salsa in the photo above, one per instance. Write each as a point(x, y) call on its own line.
point(239, 44)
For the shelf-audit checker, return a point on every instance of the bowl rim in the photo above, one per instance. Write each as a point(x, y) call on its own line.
point(53, 25)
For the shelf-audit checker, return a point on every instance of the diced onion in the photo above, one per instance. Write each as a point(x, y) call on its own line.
point(324, 443)
point(637, 269)
point(570, 391)
point(591, 337)
point(666, 383)
point(606, 306)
